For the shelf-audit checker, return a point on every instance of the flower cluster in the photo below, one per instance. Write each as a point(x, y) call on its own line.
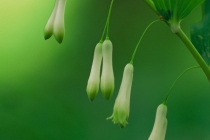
point(102, 51)
point(55, 24)
point(171, 12)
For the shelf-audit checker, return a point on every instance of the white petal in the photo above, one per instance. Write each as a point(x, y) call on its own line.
point(59, 28)
point(159, 128)
point(94, 79)
point(125, 88)
point(122, 102)
point(48, 31)
point(107, 78)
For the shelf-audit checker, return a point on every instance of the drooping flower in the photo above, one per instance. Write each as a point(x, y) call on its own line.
point(122, 103)
point(55, 24)
point(173, 11)
point(107, 77)
point(159, 128)
point(94, 79)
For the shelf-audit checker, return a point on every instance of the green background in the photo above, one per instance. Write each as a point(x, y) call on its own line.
point(43, 84)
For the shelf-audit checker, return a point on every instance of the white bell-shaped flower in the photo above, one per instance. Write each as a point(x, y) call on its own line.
point(49, 26)
point(55, 24)
point(107, 77)
point(94, 79)
point(122, 103)
point(159, 128)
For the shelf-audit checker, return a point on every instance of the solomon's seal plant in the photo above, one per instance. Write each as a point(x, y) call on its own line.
point(172, 12)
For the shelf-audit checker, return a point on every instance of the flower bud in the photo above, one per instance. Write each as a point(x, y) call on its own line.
point(94, 79)
point(122, 102)
point(49, 26)
point(59, 29)
point(159, 128)
point(107, 77)
point(55, 24)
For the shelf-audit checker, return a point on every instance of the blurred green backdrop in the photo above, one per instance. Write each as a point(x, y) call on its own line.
point(43, 84)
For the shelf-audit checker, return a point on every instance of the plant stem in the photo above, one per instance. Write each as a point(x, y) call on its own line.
point(187, 42)
point(101, 40)
point(194, 52)
point(134, 53)
point(165, 102)
point(108, 19)
point(106, 28)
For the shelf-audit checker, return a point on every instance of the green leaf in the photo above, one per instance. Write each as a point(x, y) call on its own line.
point(200, 33)
point(175, 9)
point(186, 6)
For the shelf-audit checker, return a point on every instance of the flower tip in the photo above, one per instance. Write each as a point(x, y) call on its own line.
point(59, 38)
point(109, 118)
point(92, 90)
point(59, 30)
point(108, 95)
point(47, 34)
point(91, 98)
point(122, 126)
point(46, 37)
point(107, 88)
point(107, 98)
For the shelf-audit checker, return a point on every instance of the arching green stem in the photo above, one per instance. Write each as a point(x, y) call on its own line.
point(187, 43)
point(108, 20)
point(134, 53)
point(165, 102)
point(101, 40)
point(106, 28)
point(194, 52)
